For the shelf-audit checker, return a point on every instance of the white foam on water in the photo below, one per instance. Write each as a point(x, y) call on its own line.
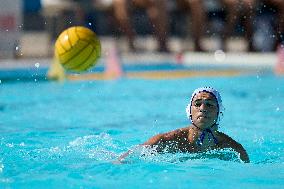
point(99, 147)
point(1, 168)
point(11, 145)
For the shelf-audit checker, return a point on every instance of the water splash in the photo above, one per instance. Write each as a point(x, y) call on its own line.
point(258, 139)
point(98, 147)
point(147, 154)
point(1, 167)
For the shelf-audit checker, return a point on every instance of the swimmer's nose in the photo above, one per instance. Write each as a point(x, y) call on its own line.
point(202, 108)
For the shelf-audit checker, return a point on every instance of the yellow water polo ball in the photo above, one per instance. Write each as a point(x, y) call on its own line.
point(77, 49)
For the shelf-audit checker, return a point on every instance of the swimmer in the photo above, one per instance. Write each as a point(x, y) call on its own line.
point(204, 111)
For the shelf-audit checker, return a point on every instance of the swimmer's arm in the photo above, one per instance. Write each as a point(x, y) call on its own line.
point(152, 141)
point(240, 149)
point(167, 137)
point(228, 142)
point(124, 155)
point(158, 139)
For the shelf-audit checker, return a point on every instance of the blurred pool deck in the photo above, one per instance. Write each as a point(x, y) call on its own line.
point(35, 57)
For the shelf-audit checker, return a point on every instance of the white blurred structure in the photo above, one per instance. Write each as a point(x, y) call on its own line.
point(54, 12)
point(10, 27)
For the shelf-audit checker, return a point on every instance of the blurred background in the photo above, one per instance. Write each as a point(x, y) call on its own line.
point(28, 28)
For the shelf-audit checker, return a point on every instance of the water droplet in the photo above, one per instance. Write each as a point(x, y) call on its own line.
point(219, 55)
point(35, 80)
point(37, 65)
point(17, 48)
point(10, 145)
point(1, 168)
point(0, 81)
point(90, 23)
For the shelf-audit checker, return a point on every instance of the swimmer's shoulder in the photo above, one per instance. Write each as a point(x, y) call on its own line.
point(222, 137)
point(178, 133)
point(168, 136)
point(226, 141)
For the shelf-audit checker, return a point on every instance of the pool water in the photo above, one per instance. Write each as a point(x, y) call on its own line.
point(56, 135)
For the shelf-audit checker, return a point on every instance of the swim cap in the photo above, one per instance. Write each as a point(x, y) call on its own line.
point(212, 91)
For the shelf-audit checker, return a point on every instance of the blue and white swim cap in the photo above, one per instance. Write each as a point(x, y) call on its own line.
point(212, 91)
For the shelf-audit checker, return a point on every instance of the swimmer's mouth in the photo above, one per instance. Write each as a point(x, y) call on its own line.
point(202, 116)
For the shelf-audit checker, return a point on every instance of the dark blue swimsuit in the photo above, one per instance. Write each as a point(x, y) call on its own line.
point(202, 136)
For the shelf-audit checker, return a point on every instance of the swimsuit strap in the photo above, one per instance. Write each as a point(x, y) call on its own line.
point(214, 138)
point(202, 136)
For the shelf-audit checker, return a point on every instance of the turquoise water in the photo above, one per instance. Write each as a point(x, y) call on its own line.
point(68, 135)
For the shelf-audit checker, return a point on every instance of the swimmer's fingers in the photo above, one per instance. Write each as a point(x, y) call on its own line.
point(126, 154)
point(120, 162)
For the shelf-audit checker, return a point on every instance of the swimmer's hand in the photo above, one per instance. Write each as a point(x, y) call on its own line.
point(121, 159)
point(117, 162)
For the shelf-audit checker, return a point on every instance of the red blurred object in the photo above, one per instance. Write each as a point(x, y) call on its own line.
point(113, 68)
point(279, 67)
point(179, 58)
point(7, 22)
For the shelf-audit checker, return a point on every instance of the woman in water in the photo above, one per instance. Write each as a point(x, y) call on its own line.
point(204, 111)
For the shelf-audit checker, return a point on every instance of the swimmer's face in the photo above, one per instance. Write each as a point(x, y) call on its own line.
point(204, 110)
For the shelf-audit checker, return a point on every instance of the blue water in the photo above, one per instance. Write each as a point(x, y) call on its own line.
point(56, 135)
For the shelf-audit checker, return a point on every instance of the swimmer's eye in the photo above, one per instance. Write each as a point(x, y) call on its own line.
point(198, 103)
point(209, 104)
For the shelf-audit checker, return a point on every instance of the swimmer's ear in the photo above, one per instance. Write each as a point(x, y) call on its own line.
point(219, 118)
